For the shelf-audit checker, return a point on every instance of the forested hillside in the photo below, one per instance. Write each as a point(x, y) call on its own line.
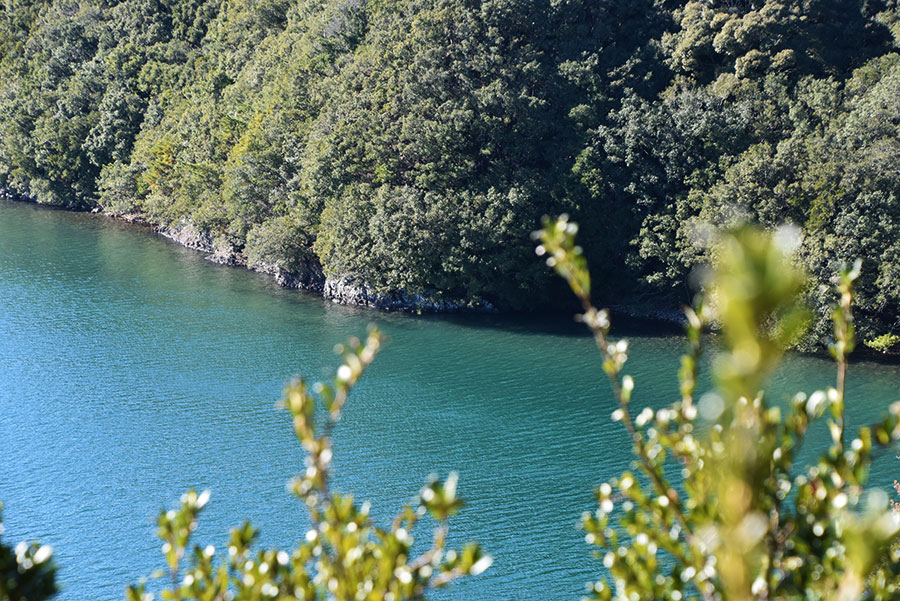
point(412, 145)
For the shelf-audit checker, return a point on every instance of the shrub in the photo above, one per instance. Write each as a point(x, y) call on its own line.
point(27, 572)
point(344, 555)
point(279, 241)
point(716, 505)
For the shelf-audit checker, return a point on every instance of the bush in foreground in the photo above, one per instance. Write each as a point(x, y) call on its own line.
point(27, 572)
point(717, 506)
point(344, 556)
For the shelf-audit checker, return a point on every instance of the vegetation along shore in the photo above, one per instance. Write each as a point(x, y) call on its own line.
point(397, 154)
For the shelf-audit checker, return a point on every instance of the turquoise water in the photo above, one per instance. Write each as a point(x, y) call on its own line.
point(132, 369)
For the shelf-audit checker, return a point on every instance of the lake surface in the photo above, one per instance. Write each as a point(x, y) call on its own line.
point(131, 369)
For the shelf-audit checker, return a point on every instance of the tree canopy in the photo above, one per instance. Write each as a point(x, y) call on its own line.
point(412, 145)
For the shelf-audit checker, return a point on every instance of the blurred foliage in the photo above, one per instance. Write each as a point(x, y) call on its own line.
point(883, 343)
point(27, 572)
point(411, 145)
point(717, 507)
point(344, 556)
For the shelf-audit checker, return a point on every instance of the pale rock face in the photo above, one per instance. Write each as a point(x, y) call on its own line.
point(186, 233)
point(345, 290)
point(349, 290)
point(308, 277)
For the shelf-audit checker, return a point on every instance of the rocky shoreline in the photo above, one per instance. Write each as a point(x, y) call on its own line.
point(344, 289)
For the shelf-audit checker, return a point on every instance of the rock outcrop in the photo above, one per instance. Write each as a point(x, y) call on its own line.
point(308, 277)
point(187, 234)
point(348, 290)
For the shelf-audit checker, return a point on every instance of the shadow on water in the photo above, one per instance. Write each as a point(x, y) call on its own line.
point(558, 323)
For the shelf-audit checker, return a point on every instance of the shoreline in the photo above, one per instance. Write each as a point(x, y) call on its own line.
point(345, 289)
point(349, 291)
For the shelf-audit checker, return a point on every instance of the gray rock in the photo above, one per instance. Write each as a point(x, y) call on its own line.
point(346, 290)
point(350, 290)
point(308, 277)
point(186, 233)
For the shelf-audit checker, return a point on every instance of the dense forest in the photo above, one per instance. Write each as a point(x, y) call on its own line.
point(412, 145)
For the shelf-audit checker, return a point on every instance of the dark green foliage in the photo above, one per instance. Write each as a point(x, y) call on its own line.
point(27, 572)
point(280, 242)
point(344, 555)
point(410, 145)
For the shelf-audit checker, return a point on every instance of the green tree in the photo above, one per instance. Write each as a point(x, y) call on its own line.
point(410, 145)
